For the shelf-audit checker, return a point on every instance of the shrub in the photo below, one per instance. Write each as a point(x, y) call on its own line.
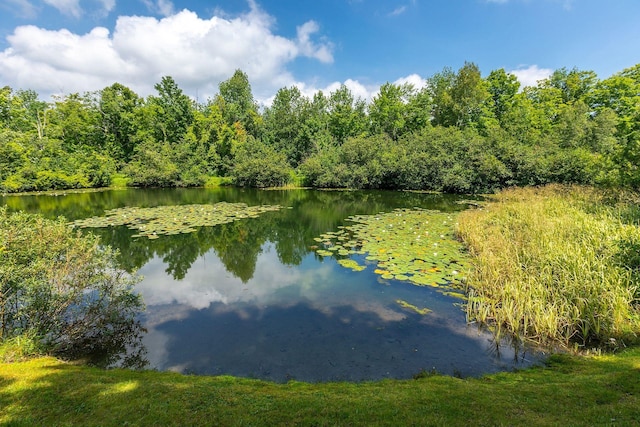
point(63, 289)
point(259, 165)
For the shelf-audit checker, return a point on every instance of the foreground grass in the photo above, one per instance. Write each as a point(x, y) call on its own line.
point(557, 265)
point(602, 390)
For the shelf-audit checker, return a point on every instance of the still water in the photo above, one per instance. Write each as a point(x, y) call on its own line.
point(252, 299)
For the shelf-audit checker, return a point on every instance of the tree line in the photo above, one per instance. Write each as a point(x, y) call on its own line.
point(461, 133)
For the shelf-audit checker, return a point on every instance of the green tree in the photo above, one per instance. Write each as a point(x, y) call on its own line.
point(75, 121)
point(503, 88)
point(388, 111)
point(28, 113)
point(238, 105)
point(118, 105)
point(461, 99)
point(288, 126)
point(573, 84)
point(174, 112)
point(5, 106)
point(347, 115)
point(152, 165)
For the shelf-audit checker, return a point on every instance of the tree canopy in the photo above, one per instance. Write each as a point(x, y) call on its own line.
point(462, 132)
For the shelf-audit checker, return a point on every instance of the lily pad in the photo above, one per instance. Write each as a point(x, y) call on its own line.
point(351, 264)
point(169, 220)
point(417, 245)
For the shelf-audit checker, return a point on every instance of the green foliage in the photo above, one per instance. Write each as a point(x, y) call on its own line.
point(461, 133)
point(237, 104)
point(118, 105)
point(259, 165)
point(346, 115)
point(288, 125)
point(173, 112)
point(62, 290)
point(503, 88)
point(75, 122)
point(152, 165)
point(388, 112)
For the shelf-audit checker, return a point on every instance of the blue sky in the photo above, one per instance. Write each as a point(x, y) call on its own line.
point(65, 46)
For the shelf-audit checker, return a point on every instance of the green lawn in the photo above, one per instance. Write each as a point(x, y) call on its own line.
point(597, 390)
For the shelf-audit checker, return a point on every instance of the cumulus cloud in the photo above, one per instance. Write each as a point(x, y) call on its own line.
point(530, 75)
point(198, 53)
point(414, 79)
point(321, 52)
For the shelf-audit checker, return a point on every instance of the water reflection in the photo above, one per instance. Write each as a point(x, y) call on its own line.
point(250, 298)
point(313, 322)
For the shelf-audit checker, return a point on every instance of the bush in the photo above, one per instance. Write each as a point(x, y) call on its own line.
point(152, 166)
point(259, 165)
point(63, 289)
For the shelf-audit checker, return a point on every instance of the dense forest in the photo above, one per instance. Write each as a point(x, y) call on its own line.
point(461, 133)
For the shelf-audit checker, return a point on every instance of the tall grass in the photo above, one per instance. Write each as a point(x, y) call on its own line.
point(557, 265)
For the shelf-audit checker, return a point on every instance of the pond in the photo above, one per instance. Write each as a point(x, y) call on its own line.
point(261, 297)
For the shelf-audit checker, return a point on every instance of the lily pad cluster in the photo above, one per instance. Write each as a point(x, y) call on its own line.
point(416, 245)
point(167, 220)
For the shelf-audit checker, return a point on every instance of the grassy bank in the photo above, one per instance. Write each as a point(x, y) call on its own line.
point(557, 265)
point(603, 390)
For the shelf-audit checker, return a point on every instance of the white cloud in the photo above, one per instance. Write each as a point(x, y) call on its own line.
point(108, 5)
point(162, 7)
point(414, 79)
point(308, 48)
point(398, 11)
point(68, 7)
point(198, 53)
point(22, 8)
point(530, 75)
point(208, 282)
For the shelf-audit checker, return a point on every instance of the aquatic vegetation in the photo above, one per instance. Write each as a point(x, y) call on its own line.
point(415, 245)
point(556, 265)
point(168, 220)
point(412, 307)
point(351, 264)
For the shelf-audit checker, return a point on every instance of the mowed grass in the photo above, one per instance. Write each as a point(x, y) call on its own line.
point(570, 390)
point(557, 265)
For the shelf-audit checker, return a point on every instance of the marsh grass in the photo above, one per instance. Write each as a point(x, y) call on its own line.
point(557, 265)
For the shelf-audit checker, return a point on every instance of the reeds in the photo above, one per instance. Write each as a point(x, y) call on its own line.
point(557, 265)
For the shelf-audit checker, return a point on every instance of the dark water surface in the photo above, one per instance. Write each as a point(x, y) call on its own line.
point(252, 299)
